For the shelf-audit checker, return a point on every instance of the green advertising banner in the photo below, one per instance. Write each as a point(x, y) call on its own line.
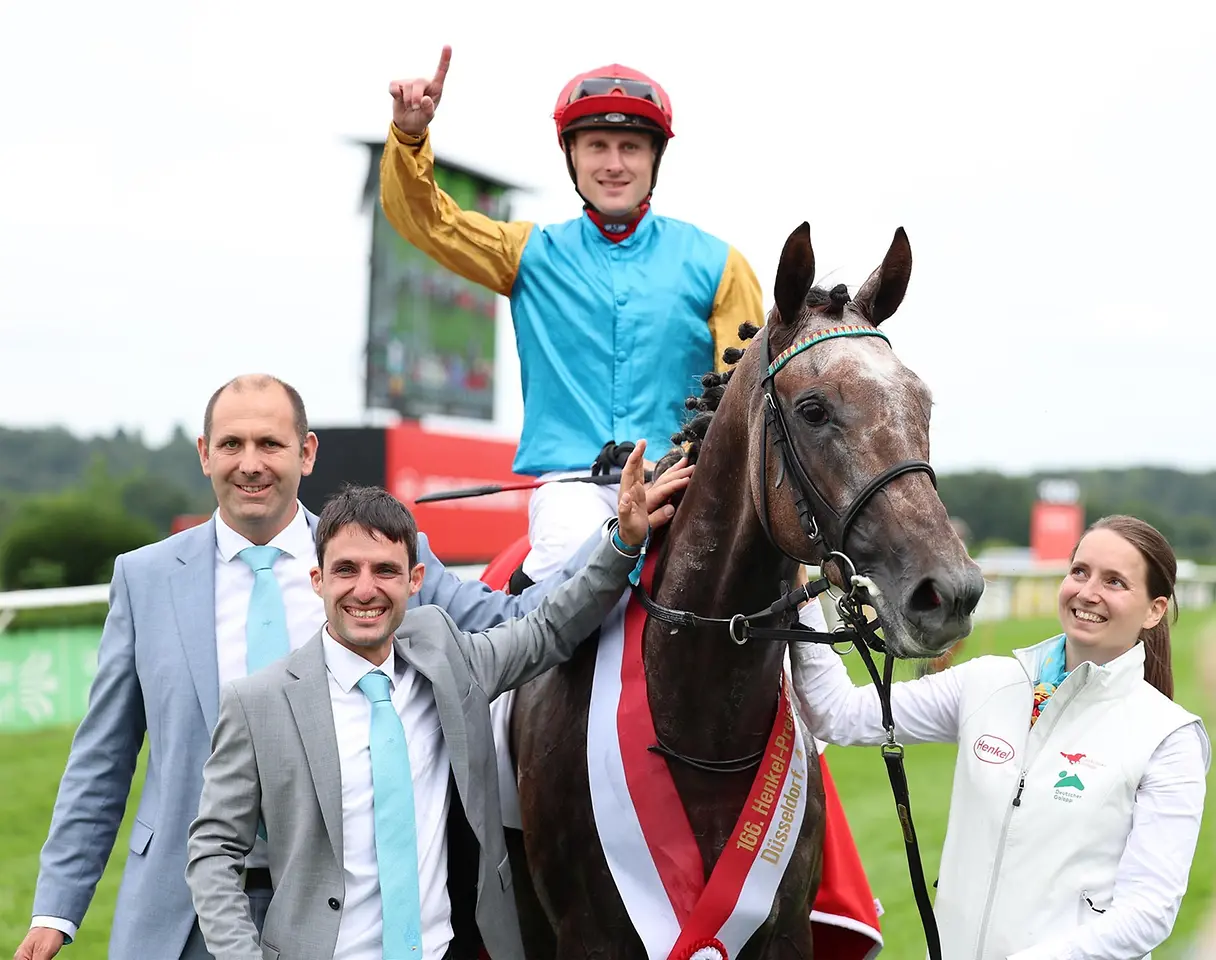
point(430, 337)
point(45, 677)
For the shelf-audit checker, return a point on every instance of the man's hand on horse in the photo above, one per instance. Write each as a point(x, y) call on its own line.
point(41, 943)
point(415, 101)
point(641, 508)
point(631, 505)
point(663, 488)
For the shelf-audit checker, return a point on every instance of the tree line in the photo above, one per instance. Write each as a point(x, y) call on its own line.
point(996, 507)
point(69, 504)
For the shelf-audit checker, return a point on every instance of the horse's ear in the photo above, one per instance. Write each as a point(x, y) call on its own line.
point(795, 273)
point(881, 294)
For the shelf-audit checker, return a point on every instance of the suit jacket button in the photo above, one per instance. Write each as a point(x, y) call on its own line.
point(333, 903)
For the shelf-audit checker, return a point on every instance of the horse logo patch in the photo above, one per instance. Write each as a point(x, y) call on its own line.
point(1082, 760)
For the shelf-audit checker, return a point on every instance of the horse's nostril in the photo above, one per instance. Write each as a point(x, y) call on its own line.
point(973, 591)
point(925, 597)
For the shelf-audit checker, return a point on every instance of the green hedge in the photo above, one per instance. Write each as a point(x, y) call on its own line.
point(69, 540)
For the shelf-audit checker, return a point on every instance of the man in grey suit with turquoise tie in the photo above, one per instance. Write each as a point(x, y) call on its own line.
point(369, 757)
point(187, 615)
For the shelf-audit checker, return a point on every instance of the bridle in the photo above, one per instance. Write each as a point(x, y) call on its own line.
point(828, 542)
point(828, 545)
point(808, 501)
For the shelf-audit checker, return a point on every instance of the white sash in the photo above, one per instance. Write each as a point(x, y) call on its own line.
point(644, 830)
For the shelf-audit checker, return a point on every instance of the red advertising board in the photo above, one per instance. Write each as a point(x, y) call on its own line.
point(472, 530)
point(1055, 529)
point(185, 521)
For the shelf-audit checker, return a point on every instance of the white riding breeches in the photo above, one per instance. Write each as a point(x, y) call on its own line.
point(561, 516)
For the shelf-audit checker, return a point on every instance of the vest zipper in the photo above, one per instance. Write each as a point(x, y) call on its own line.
point(996, 866)
point(1043, 728)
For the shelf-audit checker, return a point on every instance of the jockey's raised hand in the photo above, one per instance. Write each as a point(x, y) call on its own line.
point(631, 502)
point(415, 101)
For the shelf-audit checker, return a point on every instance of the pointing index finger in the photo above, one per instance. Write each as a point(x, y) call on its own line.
point(445, 60)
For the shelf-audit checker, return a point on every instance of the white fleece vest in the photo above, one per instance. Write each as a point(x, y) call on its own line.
point(1015, 875)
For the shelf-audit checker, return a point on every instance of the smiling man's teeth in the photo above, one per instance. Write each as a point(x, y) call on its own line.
point(1088, 617)
point(249, 489)
point(366, 614)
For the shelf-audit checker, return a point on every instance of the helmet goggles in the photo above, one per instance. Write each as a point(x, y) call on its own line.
point(604, 86)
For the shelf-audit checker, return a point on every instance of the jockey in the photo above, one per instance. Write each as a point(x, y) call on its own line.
point(617, 312)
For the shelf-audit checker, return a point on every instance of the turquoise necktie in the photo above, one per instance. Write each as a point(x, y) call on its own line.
point(266, 622)
point(396, 836)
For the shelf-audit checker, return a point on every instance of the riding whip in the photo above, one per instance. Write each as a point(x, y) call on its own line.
point(611, 455)
point(602, 480)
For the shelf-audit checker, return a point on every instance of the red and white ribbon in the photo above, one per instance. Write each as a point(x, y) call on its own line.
point(644, 830)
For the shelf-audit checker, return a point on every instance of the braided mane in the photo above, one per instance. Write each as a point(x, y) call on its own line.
point(829, 303)
point(713, 386)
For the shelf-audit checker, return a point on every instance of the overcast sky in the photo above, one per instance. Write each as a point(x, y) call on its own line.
point(179, 193)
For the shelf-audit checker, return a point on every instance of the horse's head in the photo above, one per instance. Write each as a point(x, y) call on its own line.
point(856, 425)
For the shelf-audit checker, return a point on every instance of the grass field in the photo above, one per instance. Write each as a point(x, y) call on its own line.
point(30, 766)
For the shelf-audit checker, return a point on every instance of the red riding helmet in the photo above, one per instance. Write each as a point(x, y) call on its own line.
point(613, 98)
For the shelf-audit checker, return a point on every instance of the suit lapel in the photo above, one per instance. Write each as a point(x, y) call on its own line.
point(308, 695)
point(425, 655)
point(192, 588)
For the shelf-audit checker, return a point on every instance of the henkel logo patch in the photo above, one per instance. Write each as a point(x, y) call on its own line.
point(992, 749)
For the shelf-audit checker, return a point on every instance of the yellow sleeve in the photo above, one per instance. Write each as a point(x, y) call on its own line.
point(466, 242)
point(737, 301)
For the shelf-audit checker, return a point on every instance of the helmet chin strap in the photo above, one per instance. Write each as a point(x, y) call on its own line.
point(632, 215)
point(617, 229)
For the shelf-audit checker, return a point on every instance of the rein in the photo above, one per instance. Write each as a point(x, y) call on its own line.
point(858, 631)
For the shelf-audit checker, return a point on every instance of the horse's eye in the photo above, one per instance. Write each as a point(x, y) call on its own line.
point(814, 413)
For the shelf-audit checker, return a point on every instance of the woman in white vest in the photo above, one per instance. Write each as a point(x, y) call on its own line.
point(1079, 784)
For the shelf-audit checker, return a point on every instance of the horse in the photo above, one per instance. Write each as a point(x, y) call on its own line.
point(816, 457)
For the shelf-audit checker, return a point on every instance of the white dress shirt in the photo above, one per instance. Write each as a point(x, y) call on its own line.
point(234, 586)
point(360, 929)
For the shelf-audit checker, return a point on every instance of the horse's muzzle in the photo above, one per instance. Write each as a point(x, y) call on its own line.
point(940, 605)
